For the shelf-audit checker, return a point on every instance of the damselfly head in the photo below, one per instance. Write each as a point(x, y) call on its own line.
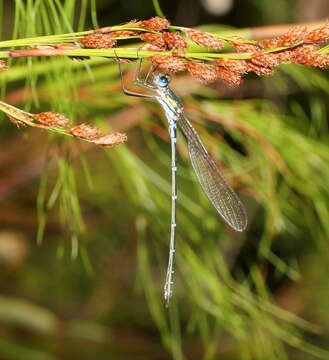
point(162, 80)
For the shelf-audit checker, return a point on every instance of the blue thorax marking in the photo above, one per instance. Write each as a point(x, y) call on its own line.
point(171, 104)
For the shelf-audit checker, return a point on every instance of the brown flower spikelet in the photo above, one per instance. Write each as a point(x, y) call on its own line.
point(285, 55)
point(304, 54)
point(15, 121)
point(3, 65)
point(259, 70)
point(268, 43)
point(18, 113)
point(265, 59)
point(242, 46)
point(155, 23)
point(97, 41)
point(85, 131)
point(52, 119)
point(202, 72)
point(122, 33)
point(168, 64)
point(319, 34)
point(174, 40)
point(203, 38)
point(236, 65)
point(292, 37)
point(111, 139)
point(321, 60)
point(230, 77)
point(153, 39)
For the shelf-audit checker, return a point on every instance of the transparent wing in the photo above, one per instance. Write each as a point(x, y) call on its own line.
point(222, 196)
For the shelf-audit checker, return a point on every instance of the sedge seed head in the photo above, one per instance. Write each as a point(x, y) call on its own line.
point(168, 64)
point(292, 37)
point(230, 77)
point(319, 34)
point(236, 65)
point(265, 59)
point(155, 23)
point(258, 69)
point(153, 39)
point(111, 139)
point(97, 41)
point(202, 72)
point(268, 43)
point(122, 33)
point(85, 131)
point(174, 40)
point(52, 119)
point(203, 38)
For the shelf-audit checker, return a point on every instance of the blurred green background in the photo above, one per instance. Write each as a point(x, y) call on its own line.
point(84, 232)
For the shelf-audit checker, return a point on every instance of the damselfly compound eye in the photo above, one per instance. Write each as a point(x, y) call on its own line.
point(163, 80)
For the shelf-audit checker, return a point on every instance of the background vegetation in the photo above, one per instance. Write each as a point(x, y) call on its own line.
point(84, 232)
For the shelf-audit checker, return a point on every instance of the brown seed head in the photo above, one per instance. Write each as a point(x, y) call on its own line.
point(304, 54)
point(265, 59)
point(155, 23)
point(85, 131)
point(320, 34)
point(111, 139)
point(259, 70)
point(202, 72)
point(20, 114)
point(230, 77)
point(15, 121)
point(97, 41)
point(285, 55)
point(168, 64)
point(52, 119)
point(268, 43)
point(122, 33)
point(292, 37)
point(321, 60)
point(153, 39)
point(238, 66)
point(3, 65)
point(241, 45)
point(203, 38)
point(174, 40)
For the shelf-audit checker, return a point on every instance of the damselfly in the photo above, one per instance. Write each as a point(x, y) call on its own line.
point(210, 177)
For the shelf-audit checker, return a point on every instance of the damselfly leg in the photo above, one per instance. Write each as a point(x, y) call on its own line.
point(143, 83)
point(137, 82)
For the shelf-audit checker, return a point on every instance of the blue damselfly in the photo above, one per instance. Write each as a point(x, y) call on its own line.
point(210, 177)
